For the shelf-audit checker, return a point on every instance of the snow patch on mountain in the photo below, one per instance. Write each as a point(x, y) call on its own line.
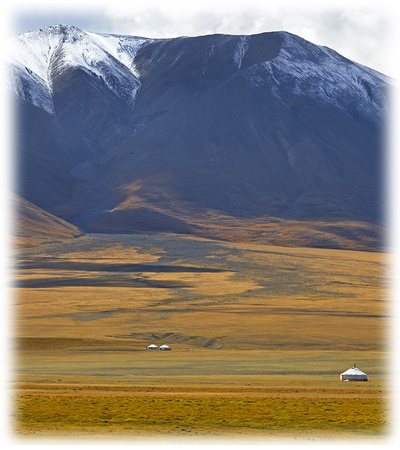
point(49, 51)
point(317, 72)
point(207, 57)
point(33, 50)
point(240, 51)
point(79, 50)
point(30, 87)
point(327, 75)
point(122, 48)
point(256, 77)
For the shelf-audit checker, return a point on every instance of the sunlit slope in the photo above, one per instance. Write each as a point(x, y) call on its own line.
point(33, 226)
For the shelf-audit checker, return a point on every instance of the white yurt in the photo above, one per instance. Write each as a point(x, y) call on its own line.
point(165, 347)
point(152, 347)
point(353, 374)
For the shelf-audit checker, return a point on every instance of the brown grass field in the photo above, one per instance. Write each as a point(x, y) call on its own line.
point(259, 336)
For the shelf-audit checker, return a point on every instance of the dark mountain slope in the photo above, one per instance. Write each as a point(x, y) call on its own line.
point(246, 144)
point(46, 151)
point(225, 136)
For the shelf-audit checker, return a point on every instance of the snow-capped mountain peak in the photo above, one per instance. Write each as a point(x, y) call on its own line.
point(37, 57)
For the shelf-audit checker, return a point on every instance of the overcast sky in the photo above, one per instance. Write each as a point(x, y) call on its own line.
point(360, 30)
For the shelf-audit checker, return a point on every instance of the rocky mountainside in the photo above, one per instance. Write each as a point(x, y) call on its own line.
point(265, 138)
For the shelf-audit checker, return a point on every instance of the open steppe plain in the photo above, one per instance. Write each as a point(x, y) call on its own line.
point(259, 336)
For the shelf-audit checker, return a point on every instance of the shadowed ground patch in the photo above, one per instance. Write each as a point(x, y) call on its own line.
point(56, 264)
point(103, 281)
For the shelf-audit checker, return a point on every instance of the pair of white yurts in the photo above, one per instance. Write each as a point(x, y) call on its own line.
point(353, 374)
point(162, 347)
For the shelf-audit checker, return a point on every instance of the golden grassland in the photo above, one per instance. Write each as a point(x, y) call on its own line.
point(197, 414)
point(82, 386)
point(259, 336)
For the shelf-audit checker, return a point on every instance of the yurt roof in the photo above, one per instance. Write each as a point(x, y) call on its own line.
point(152, 346)
point(353, 371)
point(165, 346)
